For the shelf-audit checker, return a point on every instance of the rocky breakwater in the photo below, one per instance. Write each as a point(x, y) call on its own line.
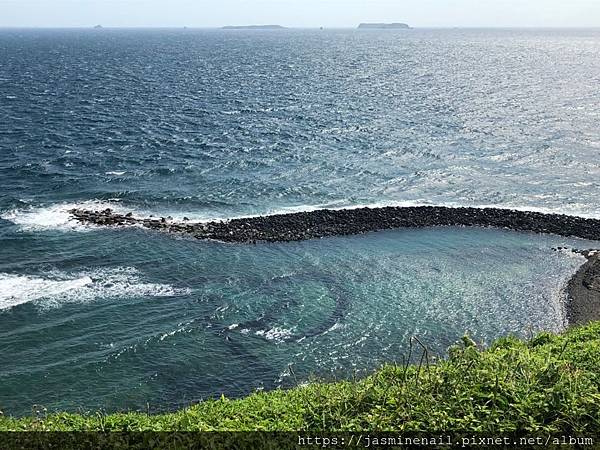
point(324, 223)
point(583, 289)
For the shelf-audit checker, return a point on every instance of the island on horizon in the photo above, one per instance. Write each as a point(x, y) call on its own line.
point(253, 27)
point(384, 26)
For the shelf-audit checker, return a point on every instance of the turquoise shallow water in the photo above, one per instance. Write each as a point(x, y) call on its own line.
point(214, 124)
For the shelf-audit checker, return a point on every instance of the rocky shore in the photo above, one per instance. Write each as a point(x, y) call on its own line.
point(584, 291)
point(324, 223)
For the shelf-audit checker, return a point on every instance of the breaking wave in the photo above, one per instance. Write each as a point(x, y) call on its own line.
point(55, 288)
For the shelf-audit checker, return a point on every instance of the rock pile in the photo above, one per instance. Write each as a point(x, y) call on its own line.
point(324, 223)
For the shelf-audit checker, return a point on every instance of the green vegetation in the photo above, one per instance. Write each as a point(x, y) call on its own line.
point(550, 384)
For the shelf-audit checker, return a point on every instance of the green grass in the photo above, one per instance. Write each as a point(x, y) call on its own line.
point(550, 384)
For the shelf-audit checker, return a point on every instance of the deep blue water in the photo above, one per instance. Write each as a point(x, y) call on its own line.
point(215, 124)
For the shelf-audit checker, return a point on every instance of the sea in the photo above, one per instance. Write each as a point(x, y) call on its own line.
point(219, 124)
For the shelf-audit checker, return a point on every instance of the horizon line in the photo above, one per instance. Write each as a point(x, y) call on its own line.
point(297, 27)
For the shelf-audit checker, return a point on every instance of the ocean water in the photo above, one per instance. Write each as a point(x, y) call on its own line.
point(220, 124)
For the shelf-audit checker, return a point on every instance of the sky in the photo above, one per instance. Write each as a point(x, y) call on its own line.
point(299, 13)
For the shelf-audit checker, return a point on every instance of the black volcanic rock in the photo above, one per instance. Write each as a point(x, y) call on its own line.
point(383, 26)
point(584, 291)
point(324, 223)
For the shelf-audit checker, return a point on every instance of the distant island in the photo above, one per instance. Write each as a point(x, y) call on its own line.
point(253, 27)
point(98, 27)
point(384, 26)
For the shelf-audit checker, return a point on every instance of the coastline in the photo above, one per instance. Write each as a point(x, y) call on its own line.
point(474, 389)
point(583, 291)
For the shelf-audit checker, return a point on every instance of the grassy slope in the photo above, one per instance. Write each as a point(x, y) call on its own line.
point(550, 384)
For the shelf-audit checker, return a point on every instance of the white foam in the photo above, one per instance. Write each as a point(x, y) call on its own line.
point(334, 327)
point(275, 334)
point(573, 210)
point(336, 206)
point(578, 210)
point(502, 157)
point(56, 216)
point(116, 173)
point(172, 333)
point(16, 290)
point(56, 288)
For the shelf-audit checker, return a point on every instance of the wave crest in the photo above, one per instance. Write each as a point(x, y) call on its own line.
point(56, 216)
point(56, 288)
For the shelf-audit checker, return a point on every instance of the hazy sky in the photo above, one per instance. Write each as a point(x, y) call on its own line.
point(301, 13)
